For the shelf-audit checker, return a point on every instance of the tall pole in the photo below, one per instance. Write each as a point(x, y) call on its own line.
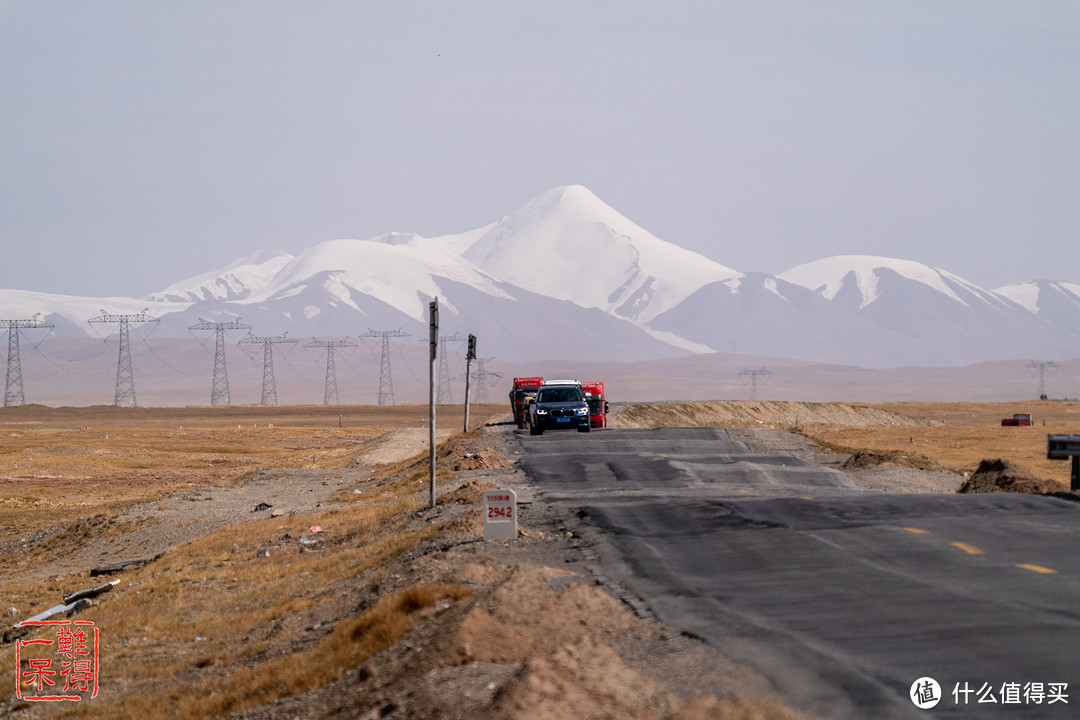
point(219, 388)
point(445, 395)
point(13, 383)
point(433, 328)
point(330, 392)
point(470, 355)
point(124, 395)
point(13, 386)
point(386, 380)
point(269, 386)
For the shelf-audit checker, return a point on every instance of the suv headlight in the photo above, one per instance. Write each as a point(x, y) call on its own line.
point(540, 411)
point(582, 411)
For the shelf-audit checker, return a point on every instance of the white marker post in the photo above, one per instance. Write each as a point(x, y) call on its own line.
point(500, 515)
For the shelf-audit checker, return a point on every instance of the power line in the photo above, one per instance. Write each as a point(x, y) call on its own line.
point(330, 391)
point(445, 392)
point(219, 389)
point(124, 396)
point(1040, 369)
point(386, 380)
point(484, 378)
point(269, 386)
point(754, 375)
point(13, 385)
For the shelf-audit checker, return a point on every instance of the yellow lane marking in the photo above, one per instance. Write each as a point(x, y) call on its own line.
point(806, 497)
point(744, 491)
point(918, 531)
point(969, 549)
point(1038, 569)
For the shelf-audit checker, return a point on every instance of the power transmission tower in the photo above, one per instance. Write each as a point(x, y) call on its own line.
point(386, 381)
point(754, 375)
point(269, 387)
point(446, 394)
point(484, 378)
point(219, 390)
point(125, 373)
point(330, 394)
point(1040, 368)
point(13, 386)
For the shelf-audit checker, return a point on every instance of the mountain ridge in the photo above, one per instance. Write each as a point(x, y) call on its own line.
point(568, 275)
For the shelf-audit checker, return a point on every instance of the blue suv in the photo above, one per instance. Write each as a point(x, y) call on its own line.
point(558, 406)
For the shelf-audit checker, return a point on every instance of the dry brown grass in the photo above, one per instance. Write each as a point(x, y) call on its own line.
point(211, 625)
point(968, 434)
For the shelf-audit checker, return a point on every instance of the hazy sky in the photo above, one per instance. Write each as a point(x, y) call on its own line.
point(145, 142)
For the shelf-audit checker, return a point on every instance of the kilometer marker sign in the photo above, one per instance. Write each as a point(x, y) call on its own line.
point(500, 515)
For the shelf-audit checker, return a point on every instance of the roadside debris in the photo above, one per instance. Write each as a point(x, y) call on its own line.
point(73, 603)
point(119, 567)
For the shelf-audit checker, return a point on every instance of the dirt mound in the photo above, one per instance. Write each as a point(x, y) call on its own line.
point(483, 460)
point(1007, 476)
point(470, 493)
point(867, 459)
point(732, 413)
point(471, 522)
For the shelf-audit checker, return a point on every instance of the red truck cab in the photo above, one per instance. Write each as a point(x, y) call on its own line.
point(523, 388)
point(597, 401)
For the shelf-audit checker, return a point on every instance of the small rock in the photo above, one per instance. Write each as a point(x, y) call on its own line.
point(277, 513)
point(81, 605)
point(265, 552)
point(262, 506)
point(11, 612)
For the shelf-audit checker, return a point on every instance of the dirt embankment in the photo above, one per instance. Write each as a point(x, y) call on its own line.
point(1007, 476)
point(737, 414)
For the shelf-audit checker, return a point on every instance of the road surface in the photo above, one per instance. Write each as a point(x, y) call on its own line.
point(845, 598)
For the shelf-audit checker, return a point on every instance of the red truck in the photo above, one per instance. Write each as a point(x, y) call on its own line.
point(1017, 420)
point(597, 401)
point(523, 387)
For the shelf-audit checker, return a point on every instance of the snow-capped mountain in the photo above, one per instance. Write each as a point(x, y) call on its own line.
point(569, 244)
point(1057, 303)
point(931, 309)
point(567, 276)
point(236, 281)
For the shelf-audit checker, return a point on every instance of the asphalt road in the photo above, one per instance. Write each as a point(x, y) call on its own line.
point(843, 597)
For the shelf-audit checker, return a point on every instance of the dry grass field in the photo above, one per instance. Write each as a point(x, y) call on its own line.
point(269, 607)
point(967, 434)
point(68, 473)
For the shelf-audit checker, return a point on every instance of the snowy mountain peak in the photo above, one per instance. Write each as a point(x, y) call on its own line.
point(1033, 295)
point(568, 244)
point(399, 269)
point(236, 281)
point(863, 273)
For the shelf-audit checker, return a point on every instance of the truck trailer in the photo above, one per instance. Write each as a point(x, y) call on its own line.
point(597, 401)
point(523, 387)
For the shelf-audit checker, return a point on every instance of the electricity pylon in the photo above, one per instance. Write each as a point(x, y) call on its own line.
point(1040, 369)
point(269, 387)
point(386, 381)
point(754, 375)
point(13, 386)
point(483, 379)
point(219, 390)
point(330, 394)
point(445, 392)
point(124, 395)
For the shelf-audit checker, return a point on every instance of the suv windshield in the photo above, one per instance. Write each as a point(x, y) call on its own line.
point(559, 395)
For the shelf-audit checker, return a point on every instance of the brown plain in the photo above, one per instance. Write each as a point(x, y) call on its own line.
point(208, 630)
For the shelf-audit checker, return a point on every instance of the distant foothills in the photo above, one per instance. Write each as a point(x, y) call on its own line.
point(568, 278)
